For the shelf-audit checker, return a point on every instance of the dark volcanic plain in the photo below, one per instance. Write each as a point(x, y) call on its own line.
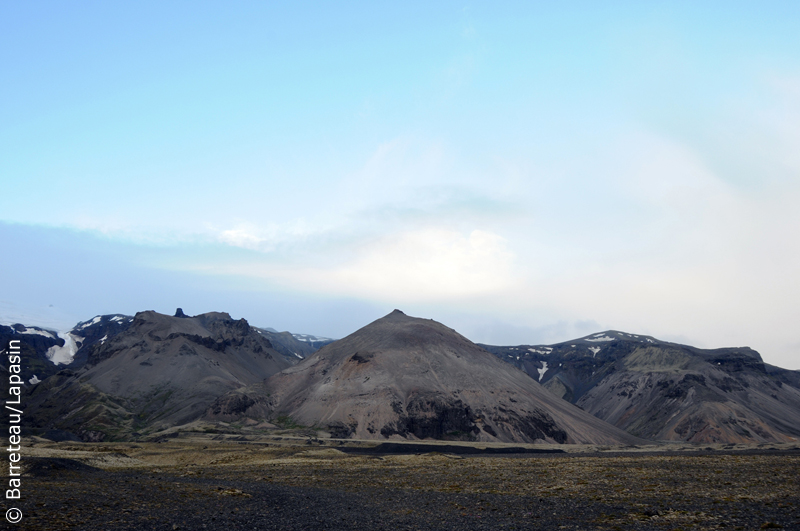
point(219, 482)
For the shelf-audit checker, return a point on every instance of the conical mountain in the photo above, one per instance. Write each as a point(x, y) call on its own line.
point(405, 377)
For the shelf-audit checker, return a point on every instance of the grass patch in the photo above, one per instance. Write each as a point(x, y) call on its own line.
point(286, 422)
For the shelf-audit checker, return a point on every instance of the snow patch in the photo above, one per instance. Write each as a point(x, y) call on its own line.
point(650, 340)
point(90, 323)
point(59, 355)
point(298, 355)
point(118, 318)
point(44, 333)
point(604, 338)
point(594, 350)
point(542, 370)
point(544, 350)
point(103, 340)
point(307, 338)
point(34, 380)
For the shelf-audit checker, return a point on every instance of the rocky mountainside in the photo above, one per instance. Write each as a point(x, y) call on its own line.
point(45, 352)
point(34, 344)
point(666, 391)
point(294, 346)
point(157, 371)
point(404, 377)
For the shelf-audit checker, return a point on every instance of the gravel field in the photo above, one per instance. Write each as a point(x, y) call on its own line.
point(290, 487)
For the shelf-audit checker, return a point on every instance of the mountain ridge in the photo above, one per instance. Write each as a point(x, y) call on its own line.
point(653, 389)
point(667, 391)
point(160, 371)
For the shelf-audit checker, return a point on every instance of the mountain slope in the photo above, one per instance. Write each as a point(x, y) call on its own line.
point(405, 377)
point(160, 371)
point(34, 343)
point(45, 352)
point(294, 346)
point(666, 391)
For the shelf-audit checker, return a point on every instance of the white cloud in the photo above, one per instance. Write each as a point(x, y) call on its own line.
point(268, 237)
point(241, 237)
point(425, 265)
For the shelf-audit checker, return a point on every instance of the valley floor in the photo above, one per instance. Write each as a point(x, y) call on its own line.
point(295, 484)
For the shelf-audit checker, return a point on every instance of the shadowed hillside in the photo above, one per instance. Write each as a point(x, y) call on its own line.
point(666, 391)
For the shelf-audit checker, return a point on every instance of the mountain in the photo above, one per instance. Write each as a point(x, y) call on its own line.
point(405, 377)
point(34, 342)
point(79, 341)
point(45, 352)
point(666, 391)
point(158, 371)
point(294, 345)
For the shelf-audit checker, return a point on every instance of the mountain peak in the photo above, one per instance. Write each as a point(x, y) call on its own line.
point(412, 378)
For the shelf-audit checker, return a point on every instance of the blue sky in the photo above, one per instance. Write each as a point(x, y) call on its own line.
point(523, 172)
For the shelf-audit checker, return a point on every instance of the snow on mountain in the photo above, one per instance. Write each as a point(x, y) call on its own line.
point(602, 338)
point(542, 370)
point(308, 338)
point(96, 320)
point(63, 355)
point(38, 331)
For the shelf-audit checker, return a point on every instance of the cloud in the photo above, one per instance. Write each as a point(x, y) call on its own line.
point(241, 237)
point(684, 251)
point(254, 238)
point(428, 264)
point(269, 237)
point(424, 265)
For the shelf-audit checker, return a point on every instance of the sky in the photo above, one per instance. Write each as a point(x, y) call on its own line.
point(524, 172)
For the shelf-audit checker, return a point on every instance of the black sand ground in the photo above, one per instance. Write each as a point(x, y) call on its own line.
point(757, 490)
